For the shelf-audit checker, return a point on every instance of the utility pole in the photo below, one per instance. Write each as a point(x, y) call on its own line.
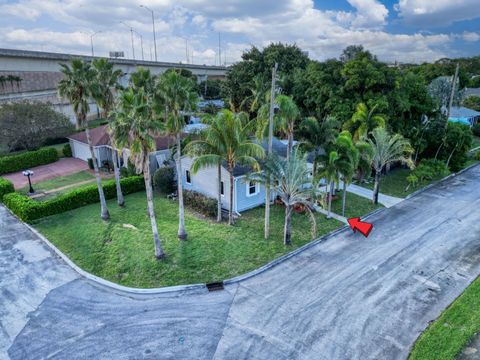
point(153, 25)
point(186, 50)
point(141, 42)
point(269, 150)
point(452, 94)
point(219, 50)
point(131, 36)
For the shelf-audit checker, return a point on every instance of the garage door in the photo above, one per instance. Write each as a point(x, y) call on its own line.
point(80, 151)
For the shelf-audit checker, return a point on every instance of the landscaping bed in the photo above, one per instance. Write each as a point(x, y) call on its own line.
point(445, 338)
point(121, 250)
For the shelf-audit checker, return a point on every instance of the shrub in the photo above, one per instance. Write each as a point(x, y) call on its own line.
point(28, 209)
point(9, 164)
point(6, 187)
point(476, 129)
point(67, 150)
point(428, 169)
point(129, 170)
point(164, 179)
point(477, 156)
point(201, 203)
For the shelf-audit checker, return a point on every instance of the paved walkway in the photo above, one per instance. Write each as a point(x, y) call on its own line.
point(344, 298)
point(385, 200)
point(62, 167)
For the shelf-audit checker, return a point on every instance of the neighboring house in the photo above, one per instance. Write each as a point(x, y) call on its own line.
point(464, 115)
point(246, 194)
point(471, 92)
point(103, 149)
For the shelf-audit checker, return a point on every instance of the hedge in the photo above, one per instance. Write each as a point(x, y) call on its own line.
point(6, 187)
point(164, 179)
point(201, 203)
point(28, 210)
point(23, 161)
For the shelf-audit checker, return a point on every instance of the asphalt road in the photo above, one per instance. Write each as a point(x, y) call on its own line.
point(345, 298)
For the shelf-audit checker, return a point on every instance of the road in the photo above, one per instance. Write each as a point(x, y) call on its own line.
point(345, 298)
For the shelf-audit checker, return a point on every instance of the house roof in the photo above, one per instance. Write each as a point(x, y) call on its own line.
point(463, 112)
point(100, 137)
point(472, 92)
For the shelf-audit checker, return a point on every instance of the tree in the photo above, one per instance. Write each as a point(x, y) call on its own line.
point(386, 150)
point(76, 86)
point(106, 80)
point(364, 121)
point(288, 114)
point(135, 127)
point(330, 174)
point(29, 125)
point(347, 162)
point(179, 97)
point(318, 136)
point(472, 102)
point(350, 52)
point(440, 89)
point(209, 151)
point(291, 181)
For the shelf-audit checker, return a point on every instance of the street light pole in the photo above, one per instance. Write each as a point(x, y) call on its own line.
point(141, 42)
point(91, 40)
point(153, 25)
point(131, 36)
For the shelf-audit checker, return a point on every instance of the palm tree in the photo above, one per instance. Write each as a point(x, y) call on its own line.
point(291, 181)
point(76, 86)
point(330, 174)
point(363, 121)
point(260, 95)
point(135, 127)
point(347, 163)
point(208, 151)
point(288, 114)
point(106, 79)
point(178, 95)
point(386, 150)
point(317, 136)
point(365, 156)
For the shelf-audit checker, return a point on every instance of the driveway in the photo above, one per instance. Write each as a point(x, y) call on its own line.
point(345, 298)
point(62, 167)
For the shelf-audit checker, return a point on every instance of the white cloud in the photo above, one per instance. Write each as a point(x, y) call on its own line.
point(437, 12)
point(370, 13)
point(471, 36)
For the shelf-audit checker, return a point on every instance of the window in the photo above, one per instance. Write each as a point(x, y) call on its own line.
point(188, 178)
point(252, 188)
point(221, 188)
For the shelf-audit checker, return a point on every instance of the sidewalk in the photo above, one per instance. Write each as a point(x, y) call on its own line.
point(385, 200)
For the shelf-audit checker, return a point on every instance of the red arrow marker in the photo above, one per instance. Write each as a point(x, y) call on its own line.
point(361, 226)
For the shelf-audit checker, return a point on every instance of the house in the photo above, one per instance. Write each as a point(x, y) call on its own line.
point(246, 194)
point(464, 115)
point(103, 148)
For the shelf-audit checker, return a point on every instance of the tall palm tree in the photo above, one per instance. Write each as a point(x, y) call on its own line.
point(288, 114)
point(106, 80)
point(135, 127)
point(179, 97)
point(291, 181)
point(330, 174)
point(363, 121)
point(76, 86)
point(208, 151)
point(347, 163)
point(386, 150)
point(317, 136)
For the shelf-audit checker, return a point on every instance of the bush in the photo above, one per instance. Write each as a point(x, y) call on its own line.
point(477, 156)
point(6, 187)
point(67, 150)
point(201, 203)
point(428, 169)
point(28, 125)
point(9, 164)
point(129, 170)
point(476, 129)
point(28, 209)
point(164, 179)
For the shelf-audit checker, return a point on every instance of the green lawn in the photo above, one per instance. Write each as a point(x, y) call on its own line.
point(212, 252)
point(447, 336)
point(355, 205)
point(395, 183)
point(475, 142)
point(60, 181)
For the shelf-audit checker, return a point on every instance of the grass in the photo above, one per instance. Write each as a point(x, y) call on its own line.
point(475, 142)
point(445, 338)
point(59, 182)
point(355, 205)
point(58, 147)
point(212, 252)
point(395, 183)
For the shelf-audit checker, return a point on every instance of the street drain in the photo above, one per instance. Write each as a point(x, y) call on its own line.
point(215, 286)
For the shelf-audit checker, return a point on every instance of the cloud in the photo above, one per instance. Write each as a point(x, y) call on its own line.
point(432, 13)
point(370, 14)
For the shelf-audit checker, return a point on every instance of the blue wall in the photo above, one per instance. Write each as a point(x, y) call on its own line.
point(245, 202)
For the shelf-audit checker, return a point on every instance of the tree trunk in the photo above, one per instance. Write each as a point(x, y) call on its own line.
point(287, 232)
point(376, 187)
point(230, 211)
point(103, 204)
point(151, 211)
point(116, 171)
point(438, 150)
point(267, 211)
point(344, 199)
point(330, 199)
point(451, 154)
point(290, 143)
point(182, 234)
point(219, 204)
point(314, 169)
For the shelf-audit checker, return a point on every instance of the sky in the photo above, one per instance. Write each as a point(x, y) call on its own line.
point(218, 31)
